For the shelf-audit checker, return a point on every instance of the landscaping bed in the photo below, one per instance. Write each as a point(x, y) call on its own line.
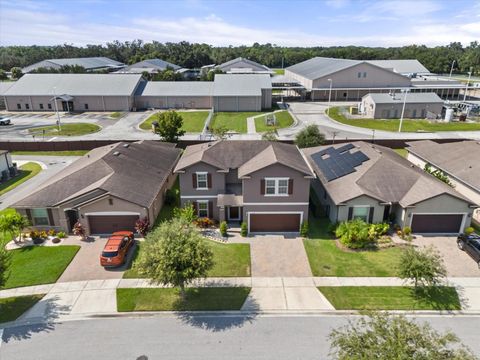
point(283, 118)
point(408, 125)
point(11, 308)
point(391, 298)
point(193, 121)
point(27, 171)
point(169, 299)
point(36, 265)
point(76, 129)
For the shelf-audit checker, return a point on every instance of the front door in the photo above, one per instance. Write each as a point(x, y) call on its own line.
point(72, 217)
point(233, 213)
point(67, 106)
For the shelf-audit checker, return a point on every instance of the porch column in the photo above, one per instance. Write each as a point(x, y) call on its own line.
point(221, 213)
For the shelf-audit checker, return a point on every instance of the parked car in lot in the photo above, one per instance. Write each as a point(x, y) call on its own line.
point(5, 120)
point(116, 249)
point(471, 245)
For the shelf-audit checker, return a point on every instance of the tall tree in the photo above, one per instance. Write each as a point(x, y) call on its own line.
point(309, 137)
point(170, 126)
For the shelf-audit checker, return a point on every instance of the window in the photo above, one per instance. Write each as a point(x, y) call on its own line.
point(27, 106)
point(41, 106)
point(361, 212)
point(276, 187)
point(49, 106)
point(359, 75)
point(364, 74)
point(19, 107)
point(202, 180)
point(86, 106)
point(202, 208)
point(40, 217)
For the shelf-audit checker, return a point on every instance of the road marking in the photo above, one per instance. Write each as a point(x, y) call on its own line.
point(1, 337)
point(52, 139)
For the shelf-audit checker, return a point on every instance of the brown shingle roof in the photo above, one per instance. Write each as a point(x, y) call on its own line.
point(386, 176)
point(459, 159)
point(136, 174)
point(247, 156)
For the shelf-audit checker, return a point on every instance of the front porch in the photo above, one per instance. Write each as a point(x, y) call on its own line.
point(230, 208)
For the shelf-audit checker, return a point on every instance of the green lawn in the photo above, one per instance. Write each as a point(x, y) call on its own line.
point(197, 299)
point(52, 153)
point(408, 125)
point(402, 152)
point(326, 259)
point(76, 129)
point(230, 260)
point(284, 119)
point(279, 71)
point(391, 298)
point(35, 265)
point(235, 121)
point(27, 171)
point(116, 115)
point(193, 121)
point(11, 308)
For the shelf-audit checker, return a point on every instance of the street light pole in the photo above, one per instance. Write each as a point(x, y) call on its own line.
point(403, 109)
point(329, 96)
point(466, 86)
point(451, 69)
point(56, 110)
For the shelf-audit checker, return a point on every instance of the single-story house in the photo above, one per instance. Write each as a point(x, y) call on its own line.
point(265, 184)
point(460, 161)
point(73, 92)
point(89, 63)
point(374, 183)
point(389, 106)
point(107, 190)
point(244, 66)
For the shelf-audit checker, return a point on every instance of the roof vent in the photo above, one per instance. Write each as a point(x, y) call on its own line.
point(116, 153)
point(126, 145)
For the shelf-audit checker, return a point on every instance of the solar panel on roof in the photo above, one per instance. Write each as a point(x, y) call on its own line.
point(340, 162)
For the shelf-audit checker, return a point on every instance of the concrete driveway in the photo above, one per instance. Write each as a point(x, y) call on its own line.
point(457, 262)
point(86, 264)
point(274, 255)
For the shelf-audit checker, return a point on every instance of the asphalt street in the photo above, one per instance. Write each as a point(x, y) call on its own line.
point(195, 337)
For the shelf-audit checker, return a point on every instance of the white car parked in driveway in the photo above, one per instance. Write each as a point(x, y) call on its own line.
point(5, 120)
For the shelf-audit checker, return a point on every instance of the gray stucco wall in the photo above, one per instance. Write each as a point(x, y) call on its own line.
point(412, 110)
point(95, 103)
point(167, 102)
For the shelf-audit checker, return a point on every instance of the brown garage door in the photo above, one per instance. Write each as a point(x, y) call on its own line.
point(274, 222)
point(111, 223)
point(436, 223)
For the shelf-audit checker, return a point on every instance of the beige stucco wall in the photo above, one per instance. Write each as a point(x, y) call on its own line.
point(412, 110)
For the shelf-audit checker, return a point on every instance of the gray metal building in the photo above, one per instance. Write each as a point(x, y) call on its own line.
point(89, 63)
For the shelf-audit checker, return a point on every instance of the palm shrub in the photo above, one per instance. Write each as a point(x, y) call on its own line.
point(244, 229)
point(223, 228)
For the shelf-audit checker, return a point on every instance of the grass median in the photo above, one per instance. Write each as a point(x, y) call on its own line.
point(169, 299)
point(408, 125)
point(13, 307)
point(233, 121)
point(27, 171)
point(284, 119)
point(391, 298)
point(76, 129)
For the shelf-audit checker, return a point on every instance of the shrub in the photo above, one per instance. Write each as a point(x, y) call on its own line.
point(170, 197)
point(407, 230)
point(469, 230)
point(204, 222)
point(61, 235)
point(187, 213)
point(309, 137)
point(244, 229)
point(304, 229)
point(34, 234)
point(51, 232)
point(223, 228)
point(353, 234)
point(142, 225)
point(43, 234)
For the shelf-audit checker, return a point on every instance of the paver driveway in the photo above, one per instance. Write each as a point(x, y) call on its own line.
point(278, 256)
point(457, 262)
point(86, 264)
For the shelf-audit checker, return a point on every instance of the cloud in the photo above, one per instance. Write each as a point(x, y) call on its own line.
point(337, 4)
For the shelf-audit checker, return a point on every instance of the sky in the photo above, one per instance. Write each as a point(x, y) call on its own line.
point(231, 22)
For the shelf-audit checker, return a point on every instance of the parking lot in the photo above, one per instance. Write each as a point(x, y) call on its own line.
point(457, 262)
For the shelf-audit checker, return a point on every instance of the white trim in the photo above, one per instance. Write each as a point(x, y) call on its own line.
point(198, 196)
point(198, 208)
point(110, 213)
point(462, 225)
point(277, 186)
point(275, 213)
point(206, 179)
point(274, 203)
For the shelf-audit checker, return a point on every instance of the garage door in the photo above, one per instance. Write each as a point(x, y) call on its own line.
point(437, 223)
point(274, 222)
point(111, 223)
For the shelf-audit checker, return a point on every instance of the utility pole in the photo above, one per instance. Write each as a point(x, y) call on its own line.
point(451, 69)
point(405, 91)
point(335, 133)
point(56, 110)
point(466, 86)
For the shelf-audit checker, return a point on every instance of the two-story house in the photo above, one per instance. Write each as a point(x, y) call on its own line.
point(266, 184)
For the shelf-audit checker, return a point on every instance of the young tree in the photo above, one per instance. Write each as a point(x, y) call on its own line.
point(186, 214)
point(170, 126)
point(424, 267)
point(381, 336)
point(219, 132)
point(13, 224)
point(309, 137)
point(175, 253)
point(16, 73)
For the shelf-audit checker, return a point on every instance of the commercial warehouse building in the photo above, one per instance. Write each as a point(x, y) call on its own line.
point(89, 64)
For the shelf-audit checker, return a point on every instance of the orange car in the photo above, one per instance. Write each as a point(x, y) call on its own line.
point(116, 249)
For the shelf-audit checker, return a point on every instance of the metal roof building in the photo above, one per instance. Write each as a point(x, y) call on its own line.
point(150, 65)
point(90, 64)
point(244, 66)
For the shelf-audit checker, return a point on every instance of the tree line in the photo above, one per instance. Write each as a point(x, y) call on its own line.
point(193, 55)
